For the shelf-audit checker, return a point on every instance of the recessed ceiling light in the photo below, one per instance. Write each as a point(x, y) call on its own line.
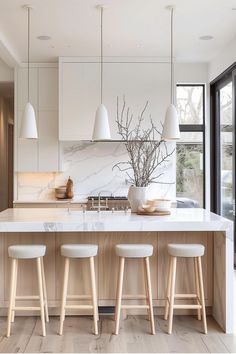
point(206, 38)
point(44, 38)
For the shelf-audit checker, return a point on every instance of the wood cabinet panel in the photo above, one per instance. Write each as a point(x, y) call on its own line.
point(106, 265)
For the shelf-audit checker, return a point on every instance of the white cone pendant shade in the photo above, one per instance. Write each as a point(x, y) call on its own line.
point(171, 126)
point(101, 130)
point(28, 124)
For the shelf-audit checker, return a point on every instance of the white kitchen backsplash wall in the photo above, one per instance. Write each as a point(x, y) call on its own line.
point(90, 166)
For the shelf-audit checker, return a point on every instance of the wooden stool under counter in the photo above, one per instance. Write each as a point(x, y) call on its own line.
point(79, 251)
point(141, 251)
point(16, 253)
point(194, 251)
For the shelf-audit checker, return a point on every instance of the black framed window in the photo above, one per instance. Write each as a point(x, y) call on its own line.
point(223, 138)
point(190, 150)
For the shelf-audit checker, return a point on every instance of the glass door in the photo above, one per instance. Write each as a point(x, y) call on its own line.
point(223, 147)
point(226, 151)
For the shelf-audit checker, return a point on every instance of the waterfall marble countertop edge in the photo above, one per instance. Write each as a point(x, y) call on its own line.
point(59, 220)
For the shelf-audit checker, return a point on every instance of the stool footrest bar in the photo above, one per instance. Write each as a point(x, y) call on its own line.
point(185, 296)
point(26, 308)
point(78, 297)
point(187, 306)
point(27, 297)
point(79, 307)
point(134, 306)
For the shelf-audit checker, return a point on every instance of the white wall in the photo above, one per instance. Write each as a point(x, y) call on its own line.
point(225, 59)
point(6, 73)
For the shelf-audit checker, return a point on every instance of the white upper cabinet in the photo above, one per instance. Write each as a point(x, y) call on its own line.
point(79, 94)
point(79, 97)
point(41, 155)
point(138, 83)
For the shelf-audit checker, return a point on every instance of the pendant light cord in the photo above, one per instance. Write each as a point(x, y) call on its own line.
point(171, 54)
point(101, 54)
point(28, 51)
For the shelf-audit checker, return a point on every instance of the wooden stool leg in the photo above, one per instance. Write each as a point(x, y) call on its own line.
point(196, 275)
point(44, 292)
point(40, 284)
point(11, 298)
point(14, 295)
point(150, 294)
point(64, 293)
point(119, 293)
point(172, 293)
point(146, 288)
point(94, 295)
point(202, 294)
point(168, 290)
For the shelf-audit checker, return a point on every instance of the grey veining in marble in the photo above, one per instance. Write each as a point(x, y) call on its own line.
point(90, 166)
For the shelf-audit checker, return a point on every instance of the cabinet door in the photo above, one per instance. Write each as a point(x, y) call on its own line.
point(139, 83)
point(48, 89)
point(41, 155)
point(48, 154)
point(79, 97)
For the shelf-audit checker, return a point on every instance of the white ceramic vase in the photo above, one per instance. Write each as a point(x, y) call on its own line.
point(137, 196)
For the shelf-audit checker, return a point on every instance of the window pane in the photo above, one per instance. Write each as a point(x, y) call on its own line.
point(189, 174)
point(190, 104)
point(226, 138)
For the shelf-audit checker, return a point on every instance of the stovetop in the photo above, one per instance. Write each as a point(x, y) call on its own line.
point(108, 197)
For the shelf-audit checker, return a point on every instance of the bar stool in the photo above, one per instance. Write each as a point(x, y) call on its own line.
point(79, 251)
point(20, 252)
point(194, 251)
point(134, 251)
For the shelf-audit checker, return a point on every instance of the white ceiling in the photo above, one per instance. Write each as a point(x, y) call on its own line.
point(131, 28)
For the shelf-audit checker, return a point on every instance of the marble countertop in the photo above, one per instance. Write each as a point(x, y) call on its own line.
point(54, 219)
point(52, 201)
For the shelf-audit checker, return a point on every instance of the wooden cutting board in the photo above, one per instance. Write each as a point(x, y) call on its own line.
point(155, 213)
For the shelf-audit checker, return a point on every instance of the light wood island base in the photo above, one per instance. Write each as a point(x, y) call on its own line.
point(106, 265)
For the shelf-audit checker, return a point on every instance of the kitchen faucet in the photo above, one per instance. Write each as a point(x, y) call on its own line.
point(99, 200)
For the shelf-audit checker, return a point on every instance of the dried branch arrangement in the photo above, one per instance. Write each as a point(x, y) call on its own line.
point(146, 150)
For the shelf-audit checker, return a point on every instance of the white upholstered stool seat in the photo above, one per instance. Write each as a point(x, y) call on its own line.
point(134, 250)
point(79, 251)
point(26, 251)
point(185, 250)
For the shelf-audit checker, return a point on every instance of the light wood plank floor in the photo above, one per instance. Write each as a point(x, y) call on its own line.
point(134, 336)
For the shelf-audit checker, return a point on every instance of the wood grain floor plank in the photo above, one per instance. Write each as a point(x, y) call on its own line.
point(134, 336)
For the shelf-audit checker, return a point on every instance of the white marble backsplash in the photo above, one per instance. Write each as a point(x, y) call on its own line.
point(90, 166)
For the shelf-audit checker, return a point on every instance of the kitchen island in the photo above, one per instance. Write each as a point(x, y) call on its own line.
point(54, 227)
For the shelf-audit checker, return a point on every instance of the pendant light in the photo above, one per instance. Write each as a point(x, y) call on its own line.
point(101, 130)
point(170, 130)
point(28, 123)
